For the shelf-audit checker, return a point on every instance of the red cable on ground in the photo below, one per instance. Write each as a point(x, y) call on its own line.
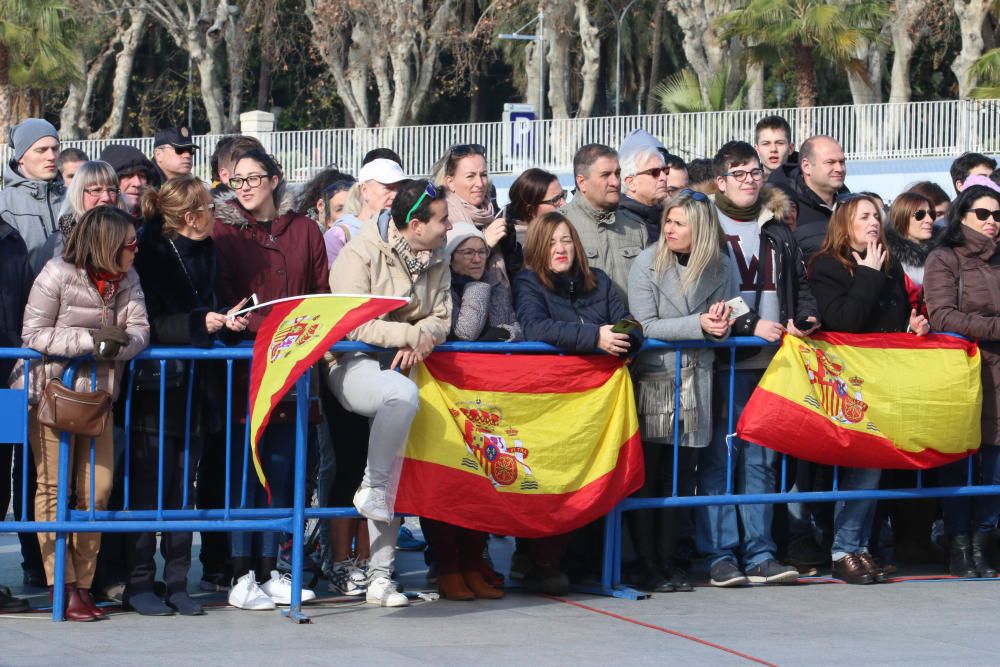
point(675, 633)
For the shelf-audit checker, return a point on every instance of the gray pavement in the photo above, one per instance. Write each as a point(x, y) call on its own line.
point(817, 623)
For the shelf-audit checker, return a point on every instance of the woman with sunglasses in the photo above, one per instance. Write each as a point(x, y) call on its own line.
point(462, 173)
point(961, 283)
point(910, 237)
point(264, 248)
point(535, 192)
point(177, 265)
point(860, 289)
point(87, 302)
point(97, 185)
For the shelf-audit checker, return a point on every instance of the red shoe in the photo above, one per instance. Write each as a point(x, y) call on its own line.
point(88, 600)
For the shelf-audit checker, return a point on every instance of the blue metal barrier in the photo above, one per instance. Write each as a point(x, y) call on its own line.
point(14, 403)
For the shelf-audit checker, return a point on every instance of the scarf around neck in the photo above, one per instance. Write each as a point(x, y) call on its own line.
point(740, 213)
point(460, 210)
point(106, 283)
point(415, 262)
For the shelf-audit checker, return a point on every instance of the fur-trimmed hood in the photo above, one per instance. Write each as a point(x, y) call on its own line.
point(228, 210)
point(774, 201)
point(907, 252)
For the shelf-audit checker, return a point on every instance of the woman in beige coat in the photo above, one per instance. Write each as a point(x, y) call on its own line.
point(88, 302)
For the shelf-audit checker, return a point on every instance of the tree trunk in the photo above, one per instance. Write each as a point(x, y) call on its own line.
point(125, 60)
point(427, 51)
point(557, 24)
point(327, 38)
point(73, 117)
point(358, 68)
point(5, 92)
point(867, 88)
point(590, 69)
point(971, 16)
point(907, 14)
point(755, 87)
point(267, 53)
point(655, 50)
point(705, 49)
point(805, 76)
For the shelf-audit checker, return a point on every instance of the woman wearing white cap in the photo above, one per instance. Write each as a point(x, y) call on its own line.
point(376, 188)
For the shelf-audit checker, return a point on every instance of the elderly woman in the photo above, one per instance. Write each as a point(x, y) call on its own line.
point(463, 173)
point(961, 280)
point(677, 290)
point(87, 302)
point(95, 184)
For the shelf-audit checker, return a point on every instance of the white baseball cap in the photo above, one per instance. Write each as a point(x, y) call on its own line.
point(382, 170)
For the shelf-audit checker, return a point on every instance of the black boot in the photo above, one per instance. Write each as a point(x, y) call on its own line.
point(980, 541)
point(961, 558)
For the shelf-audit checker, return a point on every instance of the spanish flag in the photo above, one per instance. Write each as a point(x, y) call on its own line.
point(522, 445)
point(293, 336)
point(869, 400)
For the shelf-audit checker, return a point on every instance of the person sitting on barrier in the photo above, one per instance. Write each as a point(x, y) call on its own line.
point(177, 265)
point(267, 249)
point(960, 282)
point(860, 288)
point(95, 184)
point(462, 172)
point(87, 302)
point(562, 301)
point(677, 291)
point(398, 256)
point(378, 182)
point(533, 193)
point(769, 278)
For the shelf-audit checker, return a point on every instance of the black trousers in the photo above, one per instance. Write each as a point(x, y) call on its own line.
point(174, 546)
point(214, 554)
point(30, 553)
point(664, 536)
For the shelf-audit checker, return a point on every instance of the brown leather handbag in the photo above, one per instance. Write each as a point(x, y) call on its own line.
point(78, 412)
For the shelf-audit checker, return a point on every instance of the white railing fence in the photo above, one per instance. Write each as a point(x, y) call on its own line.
point(867, 132)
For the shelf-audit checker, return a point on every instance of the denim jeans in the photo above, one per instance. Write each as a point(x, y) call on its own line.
point(277, 455)
point(718, 534)
point(853, 519)
point(972, 514)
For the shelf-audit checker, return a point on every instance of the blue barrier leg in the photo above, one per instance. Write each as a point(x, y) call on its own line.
point(62, 499)
point(299, 501)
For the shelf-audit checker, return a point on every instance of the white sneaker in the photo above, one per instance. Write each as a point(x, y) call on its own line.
point(246, 594)
point(371, 504)
point(348, 579)
point(383, 592)
point(279, 589)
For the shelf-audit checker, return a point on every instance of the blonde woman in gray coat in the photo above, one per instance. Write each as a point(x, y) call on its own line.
point(677, 290)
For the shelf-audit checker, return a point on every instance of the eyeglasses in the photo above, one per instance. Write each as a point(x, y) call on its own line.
point(253, 181)
point(132, 245)
point(741, 174)
point(654, 172)
point(98, 191)
point(464, 150)
point(468, 253)
point(555, 201)
point(921, 214)
point(984, 213)
point(429, 191)
point(695, 195)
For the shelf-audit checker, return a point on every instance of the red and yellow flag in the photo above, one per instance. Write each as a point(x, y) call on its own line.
point(293, 336)
point(869, 400)
point(521, 445)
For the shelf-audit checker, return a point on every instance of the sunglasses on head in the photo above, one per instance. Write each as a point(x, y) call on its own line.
point(429, 191)
point(463, 150)
point(695, 195)
point(982, 214)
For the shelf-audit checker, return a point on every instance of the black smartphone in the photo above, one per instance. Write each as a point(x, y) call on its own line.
point(803, 324)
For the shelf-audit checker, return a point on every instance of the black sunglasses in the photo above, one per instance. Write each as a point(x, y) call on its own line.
point(921, 214)
point(695, 195)
point(984, 213)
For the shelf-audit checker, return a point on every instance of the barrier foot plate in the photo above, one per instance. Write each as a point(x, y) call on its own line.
point(296, 617)
point(622, 592)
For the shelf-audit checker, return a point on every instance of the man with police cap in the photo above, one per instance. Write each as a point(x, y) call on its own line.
point(173, 152)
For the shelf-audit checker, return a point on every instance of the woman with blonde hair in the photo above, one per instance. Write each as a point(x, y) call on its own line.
point(87, 302)
point(677, 291)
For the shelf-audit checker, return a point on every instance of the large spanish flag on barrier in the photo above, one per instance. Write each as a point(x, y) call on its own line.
point(521, 445)
point(293, 336)
point(869, 400)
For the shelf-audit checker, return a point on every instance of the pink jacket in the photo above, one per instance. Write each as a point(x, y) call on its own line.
point(63, 307)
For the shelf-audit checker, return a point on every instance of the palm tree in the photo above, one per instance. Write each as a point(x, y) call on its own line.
point(807, 32)
point(35, 39)
point(681, 93)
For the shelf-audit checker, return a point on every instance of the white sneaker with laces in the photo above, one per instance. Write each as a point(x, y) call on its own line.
point(279, 589)
point(348, 579)
point(246, 594)
point(371, 504)
point(382, 591)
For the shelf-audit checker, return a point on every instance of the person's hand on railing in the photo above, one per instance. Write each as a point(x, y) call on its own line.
point(108, 341)
point(716, 321)
point(918, 324)
point(874, 258)
point(802, 333)
point(408, 357)
point(611, 342)
point(768, 330)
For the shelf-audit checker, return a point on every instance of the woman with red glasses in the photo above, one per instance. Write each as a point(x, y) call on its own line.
point(961, 284)
point(87, 302)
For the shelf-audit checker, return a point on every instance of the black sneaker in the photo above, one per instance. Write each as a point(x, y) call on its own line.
point(772, 572)
point(10, 604)
point(546, 579)
point(680, 581)
point(725, 574)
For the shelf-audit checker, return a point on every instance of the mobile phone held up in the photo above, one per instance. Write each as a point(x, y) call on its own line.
point(739, 306)
point(624, 326)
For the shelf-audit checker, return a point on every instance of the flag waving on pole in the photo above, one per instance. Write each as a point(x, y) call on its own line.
point(293, 336)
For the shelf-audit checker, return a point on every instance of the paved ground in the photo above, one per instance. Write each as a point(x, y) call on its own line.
point(817, 623)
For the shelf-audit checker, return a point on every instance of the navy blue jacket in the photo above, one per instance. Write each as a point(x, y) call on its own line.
point(568, 317)
point(15, 283)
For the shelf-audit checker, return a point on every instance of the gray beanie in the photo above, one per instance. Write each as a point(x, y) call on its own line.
point(638, 140)
point(459, 233)
point(23, 136)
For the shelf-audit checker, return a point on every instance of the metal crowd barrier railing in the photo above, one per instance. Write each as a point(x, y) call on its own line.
point(14, 428)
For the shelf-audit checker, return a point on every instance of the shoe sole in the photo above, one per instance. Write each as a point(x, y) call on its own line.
point(265, 608)
point(783, 578)
point(382, 603)
point(730, 583)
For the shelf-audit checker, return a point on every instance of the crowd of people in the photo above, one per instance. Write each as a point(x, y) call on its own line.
point(104, 257)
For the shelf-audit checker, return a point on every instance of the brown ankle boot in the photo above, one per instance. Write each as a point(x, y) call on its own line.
point(452, 587)
point(475, 581)
point(88, 600)
point(74, 609)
